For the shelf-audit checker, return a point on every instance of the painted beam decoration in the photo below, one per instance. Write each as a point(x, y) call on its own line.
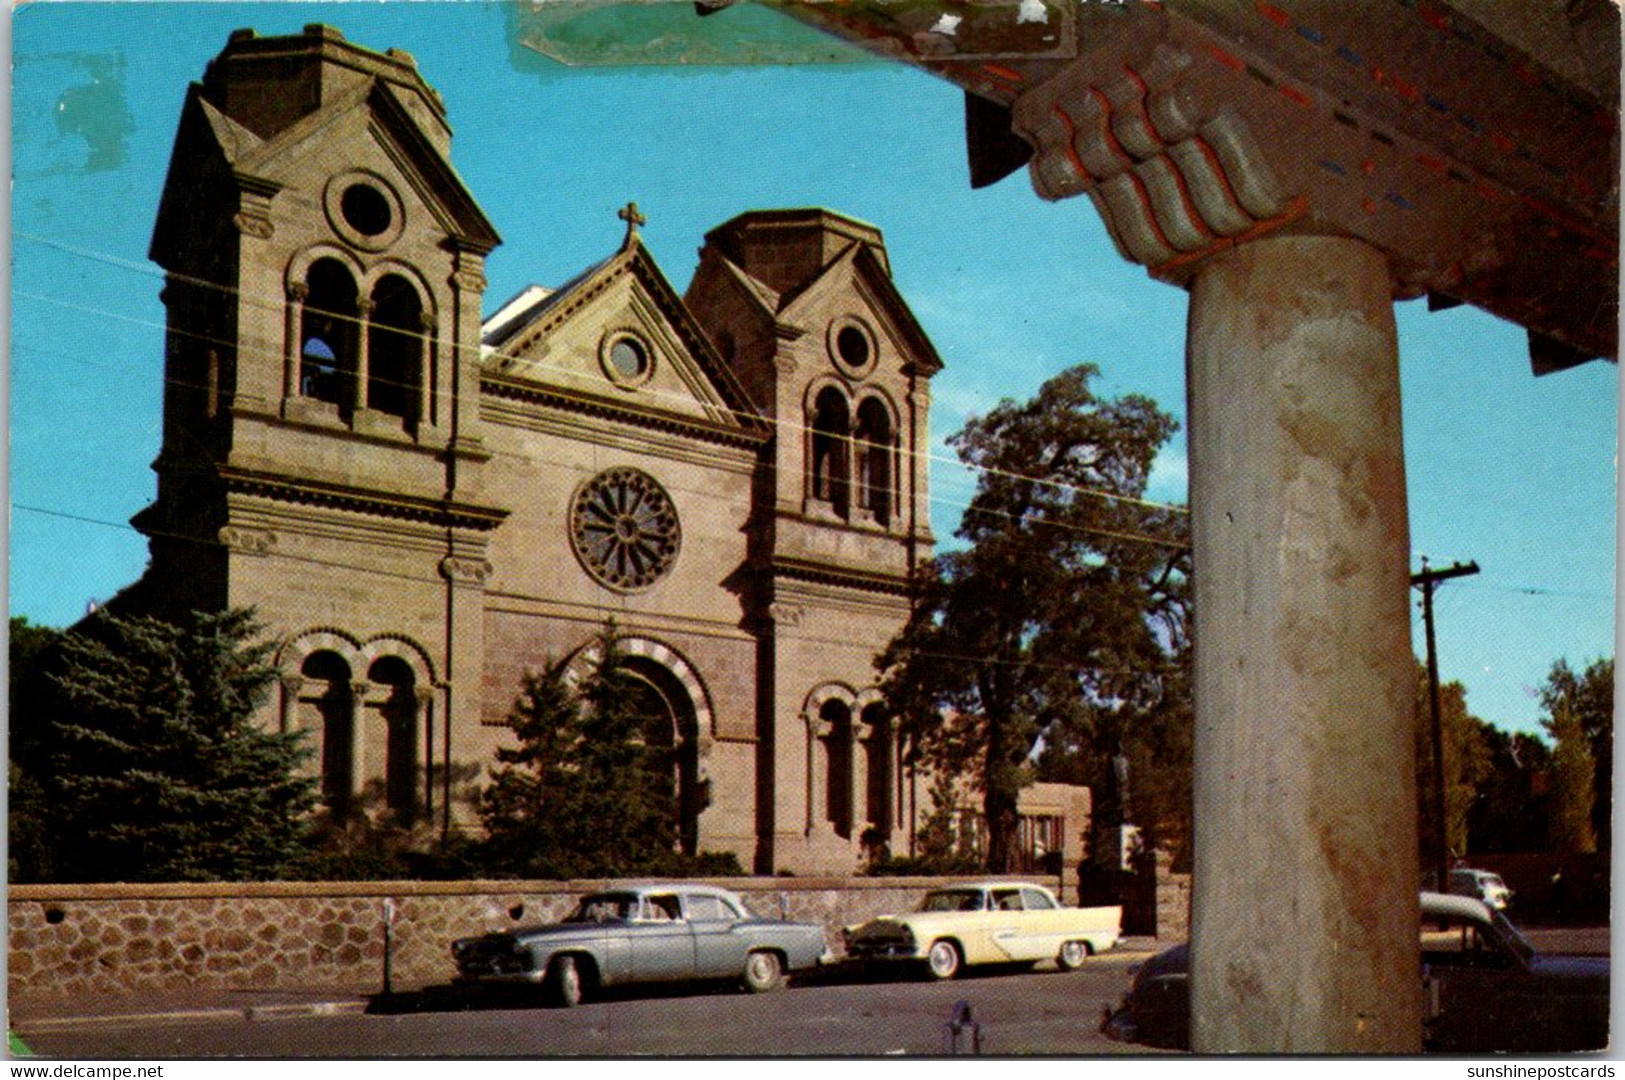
point(1486, 175)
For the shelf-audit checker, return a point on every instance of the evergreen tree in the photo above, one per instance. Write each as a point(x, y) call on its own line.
point(157, 771)
point(32, 651)
point(1063, 618)
point(585, 792)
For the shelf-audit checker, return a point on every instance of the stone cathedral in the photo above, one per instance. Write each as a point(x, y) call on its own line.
point(423, 500)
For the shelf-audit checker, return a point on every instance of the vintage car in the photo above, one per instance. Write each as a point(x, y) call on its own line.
point(990, 922)
point(1486, 990)
point(644, 934)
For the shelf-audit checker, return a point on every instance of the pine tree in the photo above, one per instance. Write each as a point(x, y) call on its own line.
point(586, 791)
point(158, 771)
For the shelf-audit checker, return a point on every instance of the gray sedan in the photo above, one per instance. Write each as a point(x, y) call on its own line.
point(644, 934)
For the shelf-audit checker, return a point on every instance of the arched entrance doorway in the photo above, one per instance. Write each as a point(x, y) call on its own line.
point(671, 731)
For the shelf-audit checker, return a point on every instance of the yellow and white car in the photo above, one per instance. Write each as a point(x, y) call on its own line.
point(986, 922)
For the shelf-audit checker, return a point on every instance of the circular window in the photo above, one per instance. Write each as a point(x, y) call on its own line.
point(852, 344)
point(365, 209)
point(624, 529)
point(626, 358)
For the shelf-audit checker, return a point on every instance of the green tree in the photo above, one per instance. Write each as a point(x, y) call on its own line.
point(1467, 764)
point(1587, 699)
point(1062, 617)
point(1510, 810)
point(157, 771)
point(1574, 767)
point(584, 793)
point(32, 650)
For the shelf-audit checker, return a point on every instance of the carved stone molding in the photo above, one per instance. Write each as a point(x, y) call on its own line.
point(247, 541)
point(465, 571)
point(469, 279)
point(253, 223)
point(785, 614)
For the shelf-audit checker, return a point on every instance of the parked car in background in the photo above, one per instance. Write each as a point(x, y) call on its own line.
point(1481, 885)
point(644, 934)
point(988, 922)
point(1486, 989)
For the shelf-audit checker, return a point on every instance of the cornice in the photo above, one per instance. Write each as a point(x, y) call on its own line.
point(846, 577)
point(445, 512)
point(556, 398)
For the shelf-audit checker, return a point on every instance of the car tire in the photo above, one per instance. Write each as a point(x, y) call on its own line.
point(1072, 955)
point(763, 972)
point(566, 985)
point(943, 960)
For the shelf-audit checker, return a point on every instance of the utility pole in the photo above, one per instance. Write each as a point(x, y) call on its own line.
point(1441, 845)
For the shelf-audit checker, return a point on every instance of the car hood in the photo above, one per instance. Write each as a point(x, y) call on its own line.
point(1571, 967)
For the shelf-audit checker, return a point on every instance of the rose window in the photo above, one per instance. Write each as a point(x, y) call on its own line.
point(624, 529)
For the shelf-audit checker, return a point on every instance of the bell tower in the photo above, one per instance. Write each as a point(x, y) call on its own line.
point(322, 455)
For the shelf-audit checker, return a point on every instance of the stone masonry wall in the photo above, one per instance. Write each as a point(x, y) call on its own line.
point(90, 939)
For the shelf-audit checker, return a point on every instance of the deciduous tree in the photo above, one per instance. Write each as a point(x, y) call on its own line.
point(1062, 617)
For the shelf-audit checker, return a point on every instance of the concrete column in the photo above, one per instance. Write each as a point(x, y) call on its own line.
point(1304, 914)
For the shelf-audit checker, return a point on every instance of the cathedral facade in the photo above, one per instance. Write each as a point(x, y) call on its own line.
point(425, 495)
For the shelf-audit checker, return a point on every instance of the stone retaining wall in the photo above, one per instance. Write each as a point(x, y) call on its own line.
point(80, 939)
point(329, 936)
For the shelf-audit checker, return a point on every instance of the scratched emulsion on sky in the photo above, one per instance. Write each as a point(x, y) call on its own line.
point(91, 123)
point(613, 33)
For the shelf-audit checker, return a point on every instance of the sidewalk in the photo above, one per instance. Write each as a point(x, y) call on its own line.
point(28, 1015)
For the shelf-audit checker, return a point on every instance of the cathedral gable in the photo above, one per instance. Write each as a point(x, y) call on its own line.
point(369, 130)
point(856, 274)
point(616, 338)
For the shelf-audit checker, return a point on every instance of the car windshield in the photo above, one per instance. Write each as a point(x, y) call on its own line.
point(604, 907)
point(953, 900)
point(1515, 941)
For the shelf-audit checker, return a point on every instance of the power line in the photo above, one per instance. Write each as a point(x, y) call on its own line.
point(265, 304)
point(429, 580)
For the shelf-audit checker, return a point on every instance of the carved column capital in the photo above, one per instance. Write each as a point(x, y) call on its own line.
point(298, 291)
point(247, 541)
point(465, 571)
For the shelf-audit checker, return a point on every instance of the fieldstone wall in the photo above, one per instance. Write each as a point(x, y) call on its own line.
point(92, 939)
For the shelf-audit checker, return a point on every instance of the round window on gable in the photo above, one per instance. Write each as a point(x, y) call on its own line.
point(365, 209)
point(626, 358)
point(852, 345)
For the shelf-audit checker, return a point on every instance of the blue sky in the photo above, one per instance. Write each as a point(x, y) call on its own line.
point(1515, 472)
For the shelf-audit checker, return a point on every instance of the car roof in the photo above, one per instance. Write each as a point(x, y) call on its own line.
point(643, 888)
point(986, 885)
point(1449, 904)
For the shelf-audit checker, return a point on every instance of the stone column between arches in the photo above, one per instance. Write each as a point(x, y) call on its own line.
point(1304, 912)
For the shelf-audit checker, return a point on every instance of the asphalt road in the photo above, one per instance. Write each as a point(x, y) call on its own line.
point(1041, 1012)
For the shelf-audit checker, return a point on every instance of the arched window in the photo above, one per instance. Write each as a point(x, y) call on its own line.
point(874, 446)
point(837, 718)
point(878, 762)
point(399, 711)
point(831, 431)
point(328, 334)
point(326, 690)
point(395, 349)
